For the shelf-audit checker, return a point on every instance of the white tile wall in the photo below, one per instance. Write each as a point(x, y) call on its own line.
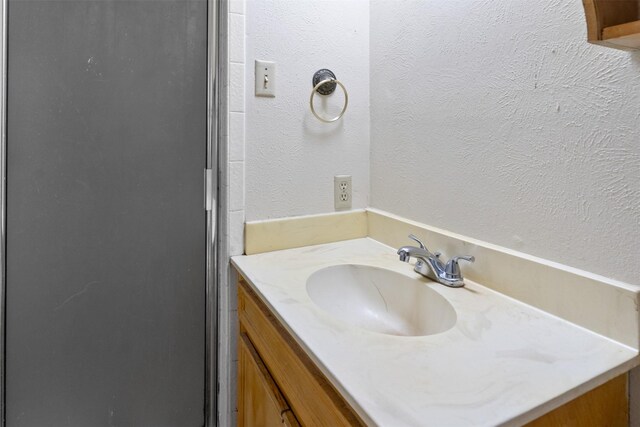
point(228, 357)
point(236, 6)
point(236, 191)
point(236, 120)
point(236, 38)
point(236, 137)
point(236, 87)
point(236, 223)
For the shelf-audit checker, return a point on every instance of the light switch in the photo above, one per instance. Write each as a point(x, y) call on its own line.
point(265, 78)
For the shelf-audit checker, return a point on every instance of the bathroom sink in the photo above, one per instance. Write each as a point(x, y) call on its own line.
point(380, 300)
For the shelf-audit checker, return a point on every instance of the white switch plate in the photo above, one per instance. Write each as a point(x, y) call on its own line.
point(265, 78)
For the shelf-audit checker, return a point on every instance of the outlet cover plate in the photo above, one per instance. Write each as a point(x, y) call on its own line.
point(342, 192)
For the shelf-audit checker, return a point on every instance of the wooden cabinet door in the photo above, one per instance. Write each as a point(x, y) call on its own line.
point(314, 401)
point(260, 403)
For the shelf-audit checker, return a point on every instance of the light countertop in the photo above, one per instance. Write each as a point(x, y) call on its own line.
point(503, 363)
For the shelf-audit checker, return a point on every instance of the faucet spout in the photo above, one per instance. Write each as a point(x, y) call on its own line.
point(430, 265)
point(404, 255)
point(406, 252)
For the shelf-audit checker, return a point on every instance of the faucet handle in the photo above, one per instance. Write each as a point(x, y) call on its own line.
point(422, 246)
point(413, 237)
point(469, 258)
point(452, 269)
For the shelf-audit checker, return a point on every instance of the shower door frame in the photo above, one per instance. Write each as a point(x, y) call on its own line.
point(216, 111)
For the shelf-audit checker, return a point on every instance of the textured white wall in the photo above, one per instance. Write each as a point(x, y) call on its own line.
point(495, 119)
point(291, 157)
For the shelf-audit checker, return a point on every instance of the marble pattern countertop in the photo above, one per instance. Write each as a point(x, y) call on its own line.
point(503, 363)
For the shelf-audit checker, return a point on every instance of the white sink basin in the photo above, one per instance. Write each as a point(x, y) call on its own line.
point(380, 300)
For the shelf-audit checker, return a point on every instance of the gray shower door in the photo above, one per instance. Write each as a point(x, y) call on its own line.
point(105, 257)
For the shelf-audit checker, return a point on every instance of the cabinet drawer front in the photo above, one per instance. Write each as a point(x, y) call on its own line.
point(314, 401)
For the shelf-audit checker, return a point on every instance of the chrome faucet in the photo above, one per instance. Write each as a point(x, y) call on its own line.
point(429, 264)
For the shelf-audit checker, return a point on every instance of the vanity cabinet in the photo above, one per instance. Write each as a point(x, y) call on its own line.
point(279, 384)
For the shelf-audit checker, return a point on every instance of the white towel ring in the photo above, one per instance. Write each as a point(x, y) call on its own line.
point(344, 108)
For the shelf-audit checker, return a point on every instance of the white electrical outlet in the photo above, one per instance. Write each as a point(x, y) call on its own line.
point(342, 191)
